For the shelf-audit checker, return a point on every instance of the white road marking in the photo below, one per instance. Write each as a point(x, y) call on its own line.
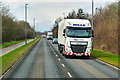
point(59, 59)
point(52, 48)
point(63, 65)
point(69, 74)
point(108, 64)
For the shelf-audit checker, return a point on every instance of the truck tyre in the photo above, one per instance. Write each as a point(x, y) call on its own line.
point(87, 57)
point(60, 48)
point(61, 51)
point(66, 56)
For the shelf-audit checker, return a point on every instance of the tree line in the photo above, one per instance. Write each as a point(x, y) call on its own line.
point(12, 29)
point(106, 28)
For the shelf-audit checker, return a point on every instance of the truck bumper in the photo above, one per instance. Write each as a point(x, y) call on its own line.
point(77, 54)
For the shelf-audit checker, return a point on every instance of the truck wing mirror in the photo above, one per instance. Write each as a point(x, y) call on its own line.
point(92, 33)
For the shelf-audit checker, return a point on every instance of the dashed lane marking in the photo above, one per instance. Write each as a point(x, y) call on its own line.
point(56, 55)
point(69, 74)
point(59, 59)
point(63, 65)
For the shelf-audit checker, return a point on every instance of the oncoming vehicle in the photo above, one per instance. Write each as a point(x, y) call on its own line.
point(49, 36)
point(74, 37)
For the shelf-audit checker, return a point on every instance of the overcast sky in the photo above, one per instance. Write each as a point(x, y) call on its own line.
point(46, 11)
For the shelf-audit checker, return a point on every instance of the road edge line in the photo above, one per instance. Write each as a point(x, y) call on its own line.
point(108, 64)
point(18, 61)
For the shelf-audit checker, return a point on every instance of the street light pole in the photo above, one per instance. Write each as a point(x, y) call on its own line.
point(26, 23)
point(92, 22)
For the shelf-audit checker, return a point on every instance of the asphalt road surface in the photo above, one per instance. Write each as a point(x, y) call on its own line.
point(44, 61)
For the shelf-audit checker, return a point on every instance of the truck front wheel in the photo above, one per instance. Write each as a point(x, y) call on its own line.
point(59, 48)
point(87, 57)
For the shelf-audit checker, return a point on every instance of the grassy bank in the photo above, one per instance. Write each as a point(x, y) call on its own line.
point(106, 56)
point(11, 43)
point(9, 59)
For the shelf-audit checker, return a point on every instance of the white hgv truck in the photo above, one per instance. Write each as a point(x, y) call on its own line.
point(74, 37)
point(49, 35)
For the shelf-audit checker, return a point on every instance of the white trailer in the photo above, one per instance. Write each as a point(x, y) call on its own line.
point(49, 35)
point(74, 37)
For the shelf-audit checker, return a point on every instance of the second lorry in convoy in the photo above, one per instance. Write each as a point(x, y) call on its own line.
point(49, 35)
point(74, 37)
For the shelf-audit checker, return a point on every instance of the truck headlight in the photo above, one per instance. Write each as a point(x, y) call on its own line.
point(88, 50)
point(90, 44)
point(68, 44)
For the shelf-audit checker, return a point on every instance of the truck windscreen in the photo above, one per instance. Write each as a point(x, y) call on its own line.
point(78, 32)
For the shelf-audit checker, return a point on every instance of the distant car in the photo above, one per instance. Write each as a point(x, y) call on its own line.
point(55, 40)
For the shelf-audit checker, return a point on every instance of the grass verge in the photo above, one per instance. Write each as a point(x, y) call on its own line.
point(9, 59)
point(11, 43)
point(106, 57)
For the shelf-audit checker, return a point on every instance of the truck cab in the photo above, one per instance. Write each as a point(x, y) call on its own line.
point(76, 37)
point(49, 36)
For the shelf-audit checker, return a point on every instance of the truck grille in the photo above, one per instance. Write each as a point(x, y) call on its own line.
point(78, 48)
